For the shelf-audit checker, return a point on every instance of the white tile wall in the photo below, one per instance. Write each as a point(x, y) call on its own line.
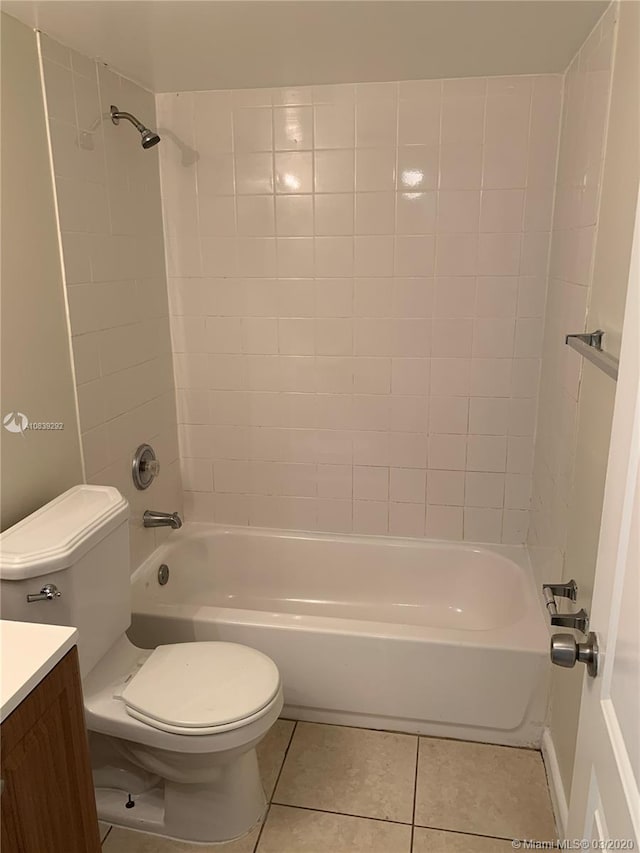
point(108, 192)
point(357, 281)
point(582, 147)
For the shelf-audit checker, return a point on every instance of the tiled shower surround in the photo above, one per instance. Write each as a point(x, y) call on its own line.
point(580, 163)
point(357, 279)
point(108, 197)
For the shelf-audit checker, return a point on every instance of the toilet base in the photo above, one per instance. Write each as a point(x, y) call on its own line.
point(216, 811)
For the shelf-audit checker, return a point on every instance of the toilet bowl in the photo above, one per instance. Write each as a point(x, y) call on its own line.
point(173, 730)
point(184, 721)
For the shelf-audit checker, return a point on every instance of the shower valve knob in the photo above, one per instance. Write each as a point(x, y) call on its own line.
point(152, 467)
point(566, 652)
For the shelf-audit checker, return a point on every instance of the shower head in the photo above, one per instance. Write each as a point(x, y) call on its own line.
point(149, 137)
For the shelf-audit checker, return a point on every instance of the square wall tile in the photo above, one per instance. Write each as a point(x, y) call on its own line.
point(458, 211)
point(370, 483)
point(447, 452)
point(487, 453)
point(334, 171)
point(416, 212)
point(375, 213)
point(376, 123)
point(444, 522)
point(294, 215)
point(293, 128)
point(334, 125)
point(461, 166)
point(484, 490)
point(406, 519)
point(357, 288)
point(407, 485)
point(370, 517)
point(252, 129)
point(417, 168)
point(419, 118)
point(254, 174)
point(375, 169)
point(445, 488)
point(334, 214)
point(482, 525)
point(293, 172)
point(449, 415)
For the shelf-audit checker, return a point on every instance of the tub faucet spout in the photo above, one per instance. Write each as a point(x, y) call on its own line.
point(153, 518)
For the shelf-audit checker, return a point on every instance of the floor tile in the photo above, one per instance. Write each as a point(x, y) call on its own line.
point(352, 771)
point(271, 753)
point(103, 829)
point(483, 789)
point(127, 841)
point(291, 830)
point(437, 841)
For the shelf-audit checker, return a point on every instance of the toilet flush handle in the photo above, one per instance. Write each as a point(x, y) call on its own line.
point(47, 593)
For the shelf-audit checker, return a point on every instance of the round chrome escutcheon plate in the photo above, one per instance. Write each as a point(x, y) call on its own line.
point(145, 467)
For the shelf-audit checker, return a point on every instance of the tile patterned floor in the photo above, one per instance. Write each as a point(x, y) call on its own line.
point(334, 789)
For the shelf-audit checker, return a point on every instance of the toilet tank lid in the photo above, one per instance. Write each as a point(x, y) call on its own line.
point(58, 534)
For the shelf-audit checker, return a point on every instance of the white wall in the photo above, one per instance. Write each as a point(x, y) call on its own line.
point(357, 280)
point(37, 378)
point(108, 196)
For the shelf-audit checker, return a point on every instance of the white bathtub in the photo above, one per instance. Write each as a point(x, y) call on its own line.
point(416, 636)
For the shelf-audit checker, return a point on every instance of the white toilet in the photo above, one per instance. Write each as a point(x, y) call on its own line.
point(173, 731)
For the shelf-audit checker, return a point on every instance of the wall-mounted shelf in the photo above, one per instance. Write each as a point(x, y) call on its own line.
point(589, 345)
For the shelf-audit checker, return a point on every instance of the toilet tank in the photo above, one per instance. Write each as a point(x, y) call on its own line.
point(79, 542)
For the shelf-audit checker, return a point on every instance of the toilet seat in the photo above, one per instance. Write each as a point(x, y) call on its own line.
point(201, 688)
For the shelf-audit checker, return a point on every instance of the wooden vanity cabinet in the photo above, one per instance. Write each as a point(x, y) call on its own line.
point(48, 802)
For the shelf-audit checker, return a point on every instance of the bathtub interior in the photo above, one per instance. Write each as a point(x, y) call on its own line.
point(427, 637)
point(394, 581)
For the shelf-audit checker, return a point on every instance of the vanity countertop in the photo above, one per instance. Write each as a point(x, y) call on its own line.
point(28, 651)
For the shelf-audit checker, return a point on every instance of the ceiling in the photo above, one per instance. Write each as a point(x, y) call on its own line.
point(177, 45)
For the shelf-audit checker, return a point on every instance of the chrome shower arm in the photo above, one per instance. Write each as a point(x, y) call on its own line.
point(149, 137)
point(117, 114)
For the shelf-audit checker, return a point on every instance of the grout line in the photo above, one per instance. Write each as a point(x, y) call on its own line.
point(468, 832)
point(262, 826)
point(344, 814)
point(394, 822)
point(270, 802)
point(284, 757)
point(415, 795)
point(416, 734)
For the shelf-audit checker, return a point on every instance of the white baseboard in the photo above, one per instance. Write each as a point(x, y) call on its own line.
point(556, 788)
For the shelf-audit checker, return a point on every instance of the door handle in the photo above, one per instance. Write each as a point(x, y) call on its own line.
point(566, 652)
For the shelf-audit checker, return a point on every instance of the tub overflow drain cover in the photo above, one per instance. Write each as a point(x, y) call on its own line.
point(163, 574)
